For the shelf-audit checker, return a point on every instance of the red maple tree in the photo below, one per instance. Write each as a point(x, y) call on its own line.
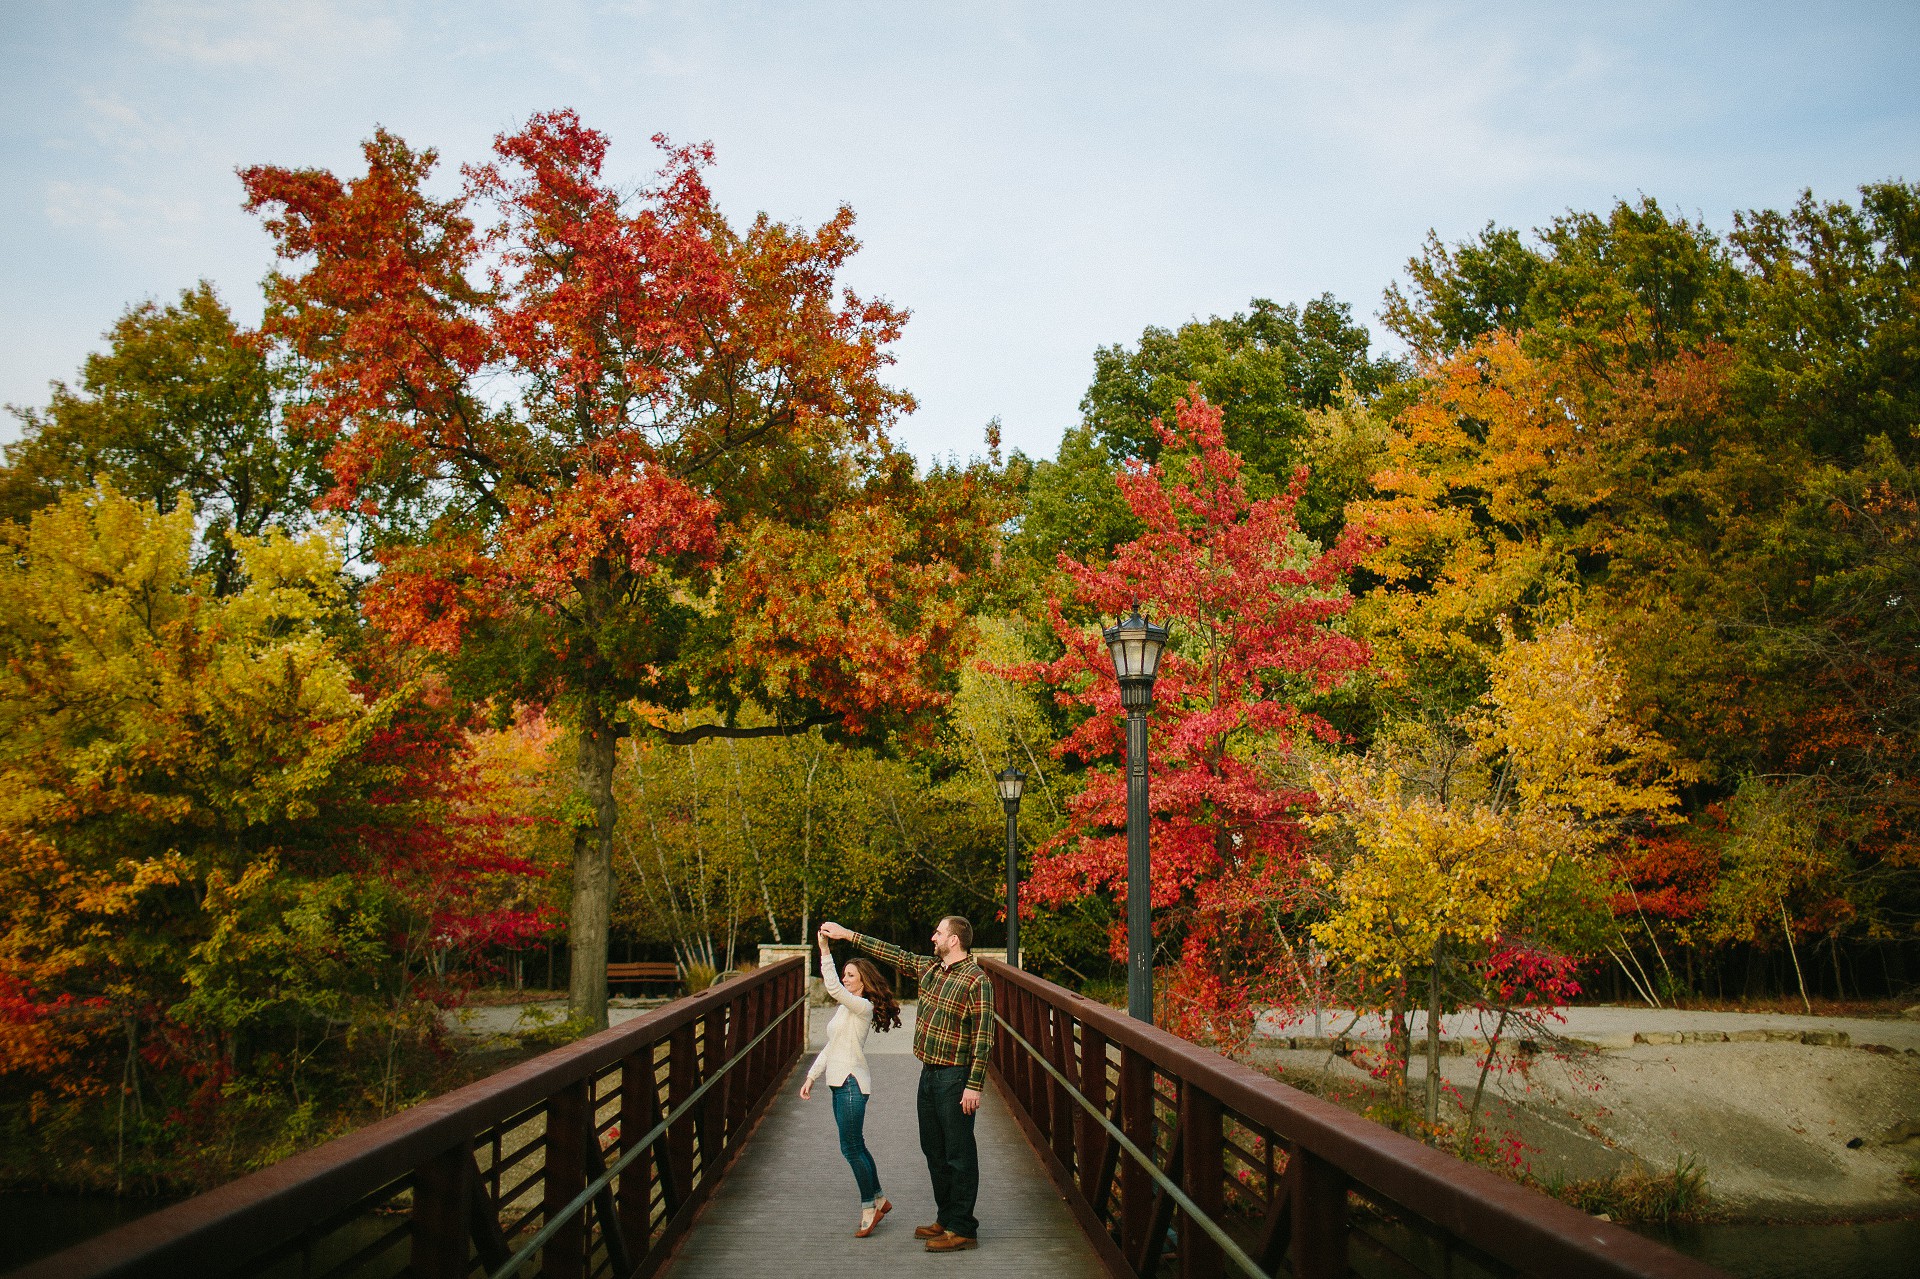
point(1253, 608)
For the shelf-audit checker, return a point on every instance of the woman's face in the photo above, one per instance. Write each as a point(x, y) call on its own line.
point(850, 978)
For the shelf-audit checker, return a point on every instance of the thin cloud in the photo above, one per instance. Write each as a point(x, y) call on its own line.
point(115, 124)
point(265, 33)
point(111, 211)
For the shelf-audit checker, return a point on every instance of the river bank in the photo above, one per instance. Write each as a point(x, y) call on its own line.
point(1790, 1118)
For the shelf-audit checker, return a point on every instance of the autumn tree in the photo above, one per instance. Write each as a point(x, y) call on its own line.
point(1255, 614)
point(662, 444)
point(1454, 846)
point(229, 838)
point(1705, 446)
point(183, 403)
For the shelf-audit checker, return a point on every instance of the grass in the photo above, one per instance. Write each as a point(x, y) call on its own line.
point(1639, 1196)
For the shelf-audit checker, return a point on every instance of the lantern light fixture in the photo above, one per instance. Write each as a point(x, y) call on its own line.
point(1136, 645)
point(1011, 783)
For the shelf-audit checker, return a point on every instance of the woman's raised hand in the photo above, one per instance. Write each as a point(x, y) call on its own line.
point(826, 942)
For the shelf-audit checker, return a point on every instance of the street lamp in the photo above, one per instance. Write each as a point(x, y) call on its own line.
point(1011, 782)
point(1136, 645)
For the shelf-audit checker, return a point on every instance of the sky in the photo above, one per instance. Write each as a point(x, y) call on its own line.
point(1032, 181)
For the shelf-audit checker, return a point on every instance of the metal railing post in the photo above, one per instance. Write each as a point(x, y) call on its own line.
point(681, 1068)
point(1017, 1062)
point(1319, 1217)
point(1136, 1121)
point(797, 1032)
point(639, 1108)
point(798, 1027)
point(1060, 1109)
point(1002, 1046)
point(712, 1127)
point(1093, 1138)
point(757, 1058)
point(441, 1213)
point(736, 1083)
point(569, 1128)
point(1033, 1025)
point(1202, 1170)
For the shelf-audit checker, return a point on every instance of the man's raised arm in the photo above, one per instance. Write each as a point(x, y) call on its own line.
point(884, 951)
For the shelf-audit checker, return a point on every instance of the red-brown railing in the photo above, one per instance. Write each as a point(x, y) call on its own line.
point(1171, 1154)
point(519, 1169)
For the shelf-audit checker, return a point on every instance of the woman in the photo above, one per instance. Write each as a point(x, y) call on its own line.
point(865, 1001)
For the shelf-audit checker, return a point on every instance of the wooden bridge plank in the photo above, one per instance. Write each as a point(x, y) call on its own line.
point(791, 1198)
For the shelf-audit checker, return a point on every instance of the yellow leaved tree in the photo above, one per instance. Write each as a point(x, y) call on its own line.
point(1449, 845)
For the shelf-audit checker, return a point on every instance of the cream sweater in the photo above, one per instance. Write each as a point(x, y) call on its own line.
point(846, 1050)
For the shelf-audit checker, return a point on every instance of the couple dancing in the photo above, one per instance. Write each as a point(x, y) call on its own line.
point(951, 1036)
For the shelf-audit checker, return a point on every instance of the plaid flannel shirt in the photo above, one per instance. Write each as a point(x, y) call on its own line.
point(954, 1026)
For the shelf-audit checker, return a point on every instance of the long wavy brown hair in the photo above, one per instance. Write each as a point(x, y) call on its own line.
point(886, 1009)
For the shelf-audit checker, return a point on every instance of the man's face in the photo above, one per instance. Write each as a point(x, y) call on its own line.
point(944, 942)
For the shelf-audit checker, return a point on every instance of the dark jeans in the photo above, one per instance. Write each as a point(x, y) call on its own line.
point(946, 1138)
point(850, 1113)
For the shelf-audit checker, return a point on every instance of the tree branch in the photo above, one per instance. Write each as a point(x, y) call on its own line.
point(688, 736)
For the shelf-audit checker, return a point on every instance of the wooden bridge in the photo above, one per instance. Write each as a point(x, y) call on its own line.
point(676, 1144)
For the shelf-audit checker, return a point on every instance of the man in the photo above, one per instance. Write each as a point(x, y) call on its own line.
point(952, 1034)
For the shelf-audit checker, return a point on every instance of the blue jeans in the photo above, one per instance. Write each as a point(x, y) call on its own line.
point(850, 1113)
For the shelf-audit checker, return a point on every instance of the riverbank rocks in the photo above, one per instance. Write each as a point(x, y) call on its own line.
point(1812, 1038)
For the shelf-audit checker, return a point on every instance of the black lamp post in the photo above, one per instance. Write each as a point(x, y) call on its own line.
point(1011, 782)
point(1136, 645)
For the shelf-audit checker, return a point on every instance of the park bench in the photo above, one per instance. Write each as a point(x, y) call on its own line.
point(646, 971)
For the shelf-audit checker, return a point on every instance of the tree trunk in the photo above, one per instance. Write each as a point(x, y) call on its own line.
point(592, 878)
point(1433, 1036)
point(1399, 1043)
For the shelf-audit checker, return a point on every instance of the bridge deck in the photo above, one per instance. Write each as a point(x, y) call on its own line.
point(789, 1203)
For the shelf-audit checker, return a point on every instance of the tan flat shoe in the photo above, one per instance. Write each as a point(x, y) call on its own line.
point(870, 1217)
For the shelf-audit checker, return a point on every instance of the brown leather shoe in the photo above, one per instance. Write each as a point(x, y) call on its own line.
point(947, 1241)
point(929, 1232)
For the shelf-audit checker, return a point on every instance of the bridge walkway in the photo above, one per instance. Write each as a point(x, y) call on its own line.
point(790, 1201)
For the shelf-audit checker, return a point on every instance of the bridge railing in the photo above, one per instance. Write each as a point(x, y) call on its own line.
point(587, 1161)
point(1170, 1154)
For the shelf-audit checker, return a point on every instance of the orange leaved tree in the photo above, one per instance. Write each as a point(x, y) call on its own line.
point(633, 460)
